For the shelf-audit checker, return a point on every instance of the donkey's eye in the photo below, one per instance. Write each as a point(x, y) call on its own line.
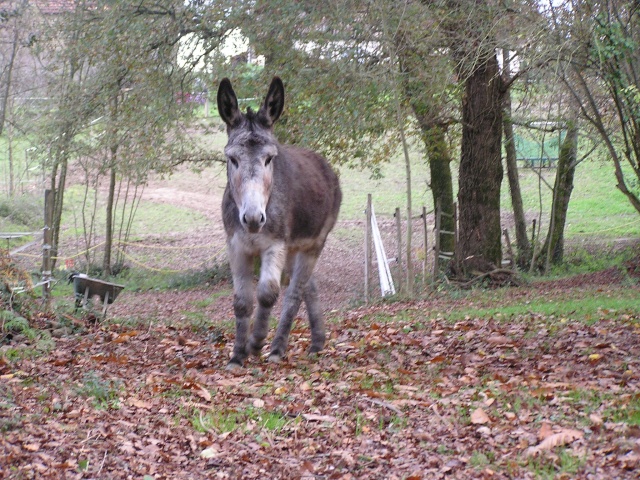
point(268, 160)
point(233, 161)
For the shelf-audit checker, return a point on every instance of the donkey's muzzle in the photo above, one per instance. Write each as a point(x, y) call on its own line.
point(253, 222)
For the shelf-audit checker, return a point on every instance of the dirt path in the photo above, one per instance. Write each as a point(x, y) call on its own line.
point(338, 273)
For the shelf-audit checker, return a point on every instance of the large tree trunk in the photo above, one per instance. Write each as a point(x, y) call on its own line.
point(481, 173)
point(523, 245)
point(553, 248)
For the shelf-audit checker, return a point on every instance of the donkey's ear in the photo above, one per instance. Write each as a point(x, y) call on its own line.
point(228, 104)
point(273, 103)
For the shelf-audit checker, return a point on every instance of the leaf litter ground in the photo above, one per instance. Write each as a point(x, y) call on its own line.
point(400, 392)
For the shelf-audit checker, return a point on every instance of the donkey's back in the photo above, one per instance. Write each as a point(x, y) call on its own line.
point(313, 196)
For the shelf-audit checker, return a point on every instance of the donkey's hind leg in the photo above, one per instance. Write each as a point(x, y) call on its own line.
point(302, 269)
point(316, 322)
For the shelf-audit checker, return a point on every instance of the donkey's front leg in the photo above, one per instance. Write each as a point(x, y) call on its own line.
point(302, 269)
point(243, 291)
point(272, 262)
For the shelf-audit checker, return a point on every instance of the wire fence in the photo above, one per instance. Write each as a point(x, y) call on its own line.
point(153, 257)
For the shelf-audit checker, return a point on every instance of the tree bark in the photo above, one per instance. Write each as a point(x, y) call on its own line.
point(554, 244)
point(60, 168)
point(113, 159)
point(481, 168)
point(433, 129)
point(7, 85)
point(522, 240)
point(441, 182)
point(108, 242)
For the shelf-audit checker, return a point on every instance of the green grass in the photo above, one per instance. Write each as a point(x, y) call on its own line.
point(104, 393)
point(589, 309)
point(546, 468)
point(246, 419)
point(151, 217)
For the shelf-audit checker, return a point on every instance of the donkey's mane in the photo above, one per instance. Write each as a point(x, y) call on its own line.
point(253, 120)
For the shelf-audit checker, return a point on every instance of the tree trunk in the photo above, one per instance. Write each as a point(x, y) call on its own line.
point(554, 244)
point(481, 168)
point(441, 181)
point(522, 240)
point(429, 114)
point(7, 85)
point(62, 162)
point(108, 242)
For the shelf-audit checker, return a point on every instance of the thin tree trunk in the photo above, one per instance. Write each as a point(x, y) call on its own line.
point(522, 240)
point(554, 245)
point(434, 137)
point(7, 86)
point(108, 243)
point(58, 184)
point(407, 165)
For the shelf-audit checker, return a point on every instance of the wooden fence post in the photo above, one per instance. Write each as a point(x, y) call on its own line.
point(367, 249)
point(509, 249)
point(533, 233)
point(399, 239)
point(456, 257)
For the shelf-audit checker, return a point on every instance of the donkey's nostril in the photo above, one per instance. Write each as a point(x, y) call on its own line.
point(262, 218)
point(244, 219)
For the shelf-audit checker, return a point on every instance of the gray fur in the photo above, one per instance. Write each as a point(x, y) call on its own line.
point(280, 204)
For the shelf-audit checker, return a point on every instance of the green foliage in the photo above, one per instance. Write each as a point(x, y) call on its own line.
point(104, 393)
point(14, 323)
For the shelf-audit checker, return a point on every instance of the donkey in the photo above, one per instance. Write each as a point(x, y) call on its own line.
point(280, 203)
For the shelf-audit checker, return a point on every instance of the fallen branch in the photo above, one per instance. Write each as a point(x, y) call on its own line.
point(510, 274)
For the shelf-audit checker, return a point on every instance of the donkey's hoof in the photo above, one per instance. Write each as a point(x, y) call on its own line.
point(315, 349)
point(256, 350)
point(233, 366)
point(274, 358)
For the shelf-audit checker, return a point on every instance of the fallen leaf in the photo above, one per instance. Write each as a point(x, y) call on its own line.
point(596, 419)
point(479, 417)
point(563, 437)
point(202, 392)
point(499, 340)
point(136, 402)
point(258, 403)
point(545, 431)
point(305, 387)
point(230, 382)
point(318, 418)
point(209, 452)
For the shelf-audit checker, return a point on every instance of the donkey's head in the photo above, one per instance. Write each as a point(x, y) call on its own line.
point(250, 151)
